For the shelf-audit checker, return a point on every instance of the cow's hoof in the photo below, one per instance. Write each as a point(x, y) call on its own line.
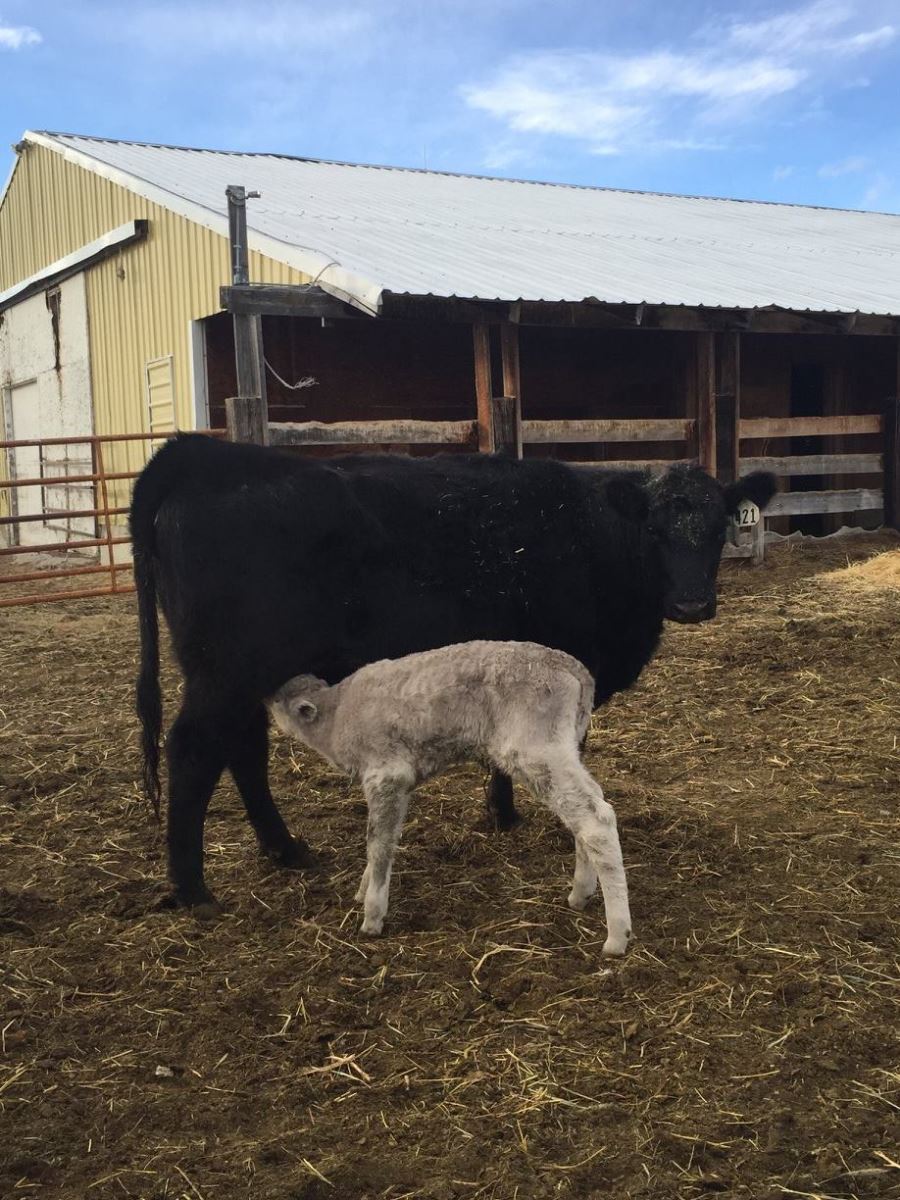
point(371, 928)
point(577, 901)
point(504, 821)
point(295, 855)
point(202, 905)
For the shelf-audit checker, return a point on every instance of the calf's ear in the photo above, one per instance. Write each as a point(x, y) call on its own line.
point(628, 499)
point(305, 710)
point(759, 487)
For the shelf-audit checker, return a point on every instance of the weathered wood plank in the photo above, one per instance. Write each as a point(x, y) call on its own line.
point(706, 401)
point(656, 466)
point(892, 458)
point(774, 427)
point(245, 420)
point(284, 300)
point(481, 339)
point(505, 427)
point(361, 433)
point(512, 387)
point(816, 464)
point(728, 404)
point(675, 430)
point(852, 500)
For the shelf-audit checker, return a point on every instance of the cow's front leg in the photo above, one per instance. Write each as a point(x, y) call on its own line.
point(248, 763)
point(499, 797)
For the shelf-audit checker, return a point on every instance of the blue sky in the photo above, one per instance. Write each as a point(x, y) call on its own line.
point(794, 102)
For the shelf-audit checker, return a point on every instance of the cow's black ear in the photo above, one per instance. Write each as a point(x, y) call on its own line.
point(628, 498)
point(760, 487)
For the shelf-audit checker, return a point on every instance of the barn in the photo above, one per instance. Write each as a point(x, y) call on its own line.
point(392, 307)
point(481, 1049)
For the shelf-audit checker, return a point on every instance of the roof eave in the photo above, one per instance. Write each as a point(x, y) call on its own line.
point(330, 275)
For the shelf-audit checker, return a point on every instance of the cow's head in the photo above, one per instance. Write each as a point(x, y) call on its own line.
point(685, 514)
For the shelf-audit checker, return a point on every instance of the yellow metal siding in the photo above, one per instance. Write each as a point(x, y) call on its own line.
point(141, 300)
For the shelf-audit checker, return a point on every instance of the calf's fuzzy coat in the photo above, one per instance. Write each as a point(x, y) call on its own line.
point(515, 706)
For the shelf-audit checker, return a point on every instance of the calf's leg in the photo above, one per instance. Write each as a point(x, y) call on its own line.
point(248, 762)
point(565, 785)
point(387, 795)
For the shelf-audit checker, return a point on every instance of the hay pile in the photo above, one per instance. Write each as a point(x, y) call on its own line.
point(747, 1047)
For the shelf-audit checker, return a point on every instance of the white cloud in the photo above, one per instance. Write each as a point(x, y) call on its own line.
point(782, 172)
point(875, 193)
point(667, 98)
point(847, 166)
point(14, 37)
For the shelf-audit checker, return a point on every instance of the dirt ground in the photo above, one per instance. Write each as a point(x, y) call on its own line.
point(746, 1047)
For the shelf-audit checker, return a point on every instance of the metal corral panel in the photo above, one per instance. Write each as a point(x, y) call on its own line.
point(364, 230)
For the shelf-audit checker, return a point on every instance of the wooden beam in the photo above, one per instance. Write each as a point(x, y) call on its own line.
point(798, 503)
point(663, 430)
point(245, 420)
point(778, 427)
point(512, 387)
point(251, 382)
point(816, 464)
point(481, 335)
point(892, 458)
point(655, 466)
point(728, 404)
point(506, 427)
point(706, 401)
point(285, 300)
point(361, 433)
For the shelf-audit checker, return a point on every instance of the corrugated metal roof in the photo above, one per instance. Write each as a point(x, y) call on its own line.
point(362, 230)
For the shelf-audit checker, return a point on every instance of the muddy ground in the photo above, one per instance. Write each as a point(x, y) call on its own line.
point(746, 1047)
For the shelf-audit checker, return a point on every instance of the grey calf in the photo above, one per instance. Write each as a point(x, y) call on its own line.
point(519, 707)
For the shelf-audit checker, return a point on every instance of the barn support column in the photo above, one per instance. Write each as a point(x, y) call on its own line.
point(892, 453)
point(705, 401)
point(727, 405)
point(247, 413)
point(499, 417)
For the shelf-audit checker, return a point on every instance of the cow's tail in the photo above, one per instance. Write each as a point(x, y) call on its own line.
point(149, 696)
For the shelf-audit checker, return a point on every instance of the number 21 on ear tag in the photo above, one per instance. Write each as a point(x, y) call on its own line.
point(747, 514)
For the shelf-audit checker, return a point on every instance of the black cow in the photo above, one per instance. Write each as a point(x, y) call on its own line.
point(267, 566)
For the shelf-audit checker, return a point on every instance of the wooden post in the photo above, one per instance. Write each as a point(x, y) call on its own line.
point(706, 402)
point(247, 413)
point(728, 405)
point(481, 335)
point(506, 428)
point(892, 462)
point(512, 388)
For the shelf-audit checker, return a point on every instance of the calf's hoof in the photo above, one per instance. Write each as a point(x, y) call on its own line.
point(294, 855)
point(616, 946)
point(372, 927)
point(577, 901)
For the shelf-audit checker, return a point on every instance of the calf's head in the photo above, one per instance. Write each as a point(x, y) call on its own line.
point(294, 706)
point(685, 515)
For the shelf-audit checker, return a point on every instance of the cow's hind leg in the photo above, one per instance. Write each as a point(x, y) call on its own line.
point(248, 762)
point(196, 755)
point(499, 797)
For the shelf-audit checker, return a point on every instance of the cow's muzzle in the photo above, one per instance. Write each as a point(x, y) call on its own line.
point(691, 612)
